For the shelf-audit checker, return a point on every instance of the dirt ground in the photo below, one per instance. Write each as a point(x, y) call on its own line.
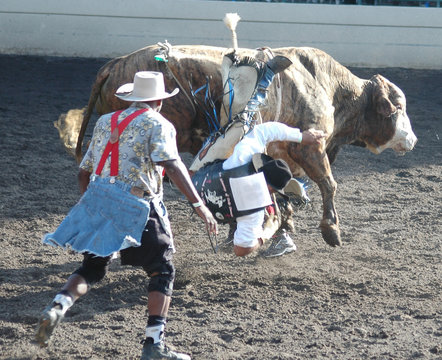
point(376, 297)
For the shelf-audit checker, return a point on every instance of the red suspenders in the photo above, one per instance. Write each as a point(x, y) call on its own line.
point(112, 145)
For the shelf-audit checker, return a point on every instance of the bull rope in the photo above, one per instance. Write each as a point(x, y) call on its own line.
point(213, 241)
point(163, 55)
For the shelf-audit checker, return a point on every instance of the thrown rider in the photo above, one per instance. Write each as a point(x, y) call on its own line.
point(238, 189)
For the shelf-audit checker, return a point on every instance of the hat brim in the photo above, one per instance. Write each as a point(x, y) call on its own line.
point(294, 187)
point(258, 161)
point(124, 92)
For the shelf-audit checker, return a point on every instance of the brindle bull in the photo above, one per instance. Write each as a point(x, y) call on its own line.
point(314, 92)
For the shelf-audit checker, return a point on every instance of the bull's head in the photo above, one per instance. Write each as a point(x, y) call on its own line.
point(387, 125)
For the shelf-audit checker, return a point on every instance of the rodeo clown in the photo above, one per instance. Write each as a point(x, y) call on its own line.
point(122, 209)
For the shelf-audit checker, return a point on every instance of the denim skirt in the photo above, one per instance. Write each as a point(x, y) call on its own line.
point(107, 219)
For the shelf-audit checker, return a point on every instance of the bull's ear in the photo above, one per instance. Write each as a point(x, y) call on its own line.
point(380, 97)
point(385, 107)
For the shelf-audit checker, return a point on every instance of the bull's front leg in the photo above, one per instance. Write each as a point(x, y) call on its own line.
point(313, 159)
point(330, 223)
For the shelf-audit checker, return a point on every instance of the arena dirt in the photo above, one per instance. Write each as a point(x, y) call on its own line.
point(376, 297)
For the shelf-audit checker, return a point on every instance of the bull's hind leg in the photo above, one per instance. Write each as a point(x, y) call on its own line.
point(313, 159)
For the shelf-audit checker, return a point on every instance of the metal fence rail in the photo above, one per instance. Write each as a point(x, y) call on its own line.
point(420, 3)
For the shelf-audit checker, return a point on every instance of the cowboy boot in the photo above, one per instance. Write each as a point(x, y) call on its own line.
point(279, 63)
point(274, 66)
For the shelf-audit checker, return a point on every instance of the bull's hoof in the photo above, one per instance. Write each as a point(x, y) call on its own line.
point(331, 234)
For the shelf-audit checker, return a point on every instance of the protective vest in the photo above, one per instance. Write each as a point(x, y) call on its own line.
point(212, 184)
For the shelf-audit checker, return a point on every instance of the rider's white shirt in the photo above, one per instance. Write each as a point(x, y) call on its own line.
point(249, 228)
point(256, 142)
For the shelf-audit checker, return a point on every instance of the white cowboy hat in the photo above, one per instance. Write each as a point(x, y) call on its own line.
point(147, 86)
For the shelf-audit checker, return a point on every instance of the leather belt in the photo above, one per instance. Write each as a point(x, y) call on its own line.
point(139, 192)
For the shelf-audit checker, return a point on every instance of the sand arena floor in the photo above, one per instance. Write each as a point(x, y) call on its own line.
point(376, 297)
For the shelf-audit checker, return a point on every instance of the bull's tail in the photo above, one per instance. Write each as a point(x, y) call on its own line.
point(231, 20)
point(102, 76)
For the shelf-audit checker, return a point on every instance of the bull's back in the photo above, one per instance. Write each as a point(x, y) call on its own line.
point(184, 62)
point(309, 88)
point(188, 66)
point(300, 96)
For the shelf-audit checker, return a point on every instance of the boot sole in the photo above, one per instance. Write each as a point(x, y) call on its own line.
point(42, 333)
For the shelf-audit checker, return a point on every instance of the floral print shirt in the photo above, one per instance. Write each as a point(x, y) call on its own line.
point(148, 139)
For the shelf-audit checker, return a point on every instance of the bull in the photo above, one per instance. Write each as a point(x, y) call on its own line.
point(314, 92)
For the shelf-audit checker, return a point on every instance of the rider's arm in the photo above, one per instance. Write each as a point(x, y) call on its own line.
point(274, 131)
point(177, 172)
